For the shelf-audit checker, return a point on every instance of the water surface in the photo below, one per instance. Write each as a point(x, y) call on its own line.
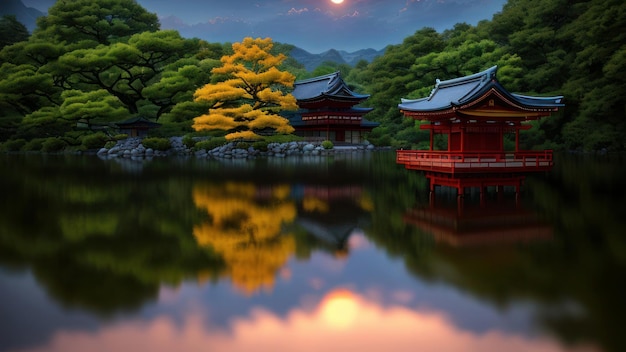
point(305, 254)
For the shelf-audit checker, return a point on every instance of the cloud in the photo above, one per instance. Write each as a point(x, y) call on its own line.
point(294, 11)
point(319, 25)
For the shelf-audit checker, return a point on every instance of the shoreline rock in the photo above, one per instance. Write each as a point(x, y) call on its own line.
point(132, 148)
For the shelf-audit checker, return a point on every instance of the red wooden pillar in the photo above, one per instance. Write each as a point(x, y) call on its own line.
point(462, 128)
point(432, 137)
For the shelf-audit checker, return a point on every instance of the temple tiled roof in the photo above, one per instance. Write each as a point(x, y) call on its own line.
point(140, 120)
point(461, 91)
point(327, 86)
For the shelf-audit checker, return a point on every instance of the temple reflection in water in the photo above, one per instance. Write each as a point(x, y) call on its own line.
point(473, 222)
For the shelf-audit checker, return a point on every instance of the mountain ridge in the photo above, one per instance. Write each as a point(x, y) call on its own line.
point(25, 15)
point(28, 16)
point(312, 61)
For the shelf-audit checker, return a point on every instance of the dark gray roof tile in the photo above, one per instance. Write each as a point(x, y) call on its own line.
point(331, 85)
point(458, 91)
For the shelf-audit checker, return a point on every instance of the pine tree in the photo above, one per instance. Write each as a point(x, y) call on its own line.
point(251, 93)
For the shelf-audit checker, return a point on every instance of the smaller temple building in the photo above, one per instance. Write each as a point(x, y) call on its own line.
point(474, 113)
point(327, 111)
point(136, 126)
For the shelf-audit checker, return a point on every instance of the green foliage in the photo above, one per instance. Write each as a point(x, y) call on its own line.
point(95, 140)
point(157, 143)
point(92, 108)
point(331, 67)
point(102, 22)
point(210, 144)
point(53, 144)
point(171, 129)
point(34, 145)
point(327, 144)
point(110, 144)
point(8, 125)
point(74, 138)
point(121, 136)
point(91, 62)
point(282, 138)
point(242, 145)
point(574, 50)
point(379, 137)
point(411, 135)
point(189, 141)
point(13, 145)
point(260, 145)
point(44, 122)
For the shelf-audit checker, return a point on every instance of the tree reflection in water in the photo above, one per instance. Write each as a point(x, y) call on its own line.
point(245, 228)
point(98, 238)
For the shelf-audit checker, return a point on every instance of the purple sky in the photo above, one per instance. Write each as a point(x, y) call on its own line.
point(314, 25)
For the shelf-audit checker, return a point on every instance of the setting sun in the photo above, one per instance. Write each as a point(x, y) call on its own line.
point(339, 309)
point(336, 1)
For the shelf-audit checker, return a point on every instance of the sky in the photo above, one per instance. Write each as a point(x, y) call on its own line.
point(315, 25)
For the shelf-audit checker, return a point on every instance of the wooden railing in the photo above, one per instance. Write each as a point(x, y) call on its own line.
point(473, 162)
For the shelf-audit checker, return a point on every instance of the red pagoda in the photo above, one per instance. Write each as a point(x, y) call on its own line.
point(475, 113)
point(328, 111)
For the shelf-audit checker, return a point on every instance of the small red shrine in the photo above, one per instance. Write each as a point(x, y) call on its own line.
point(328, 111)
point(475, 113)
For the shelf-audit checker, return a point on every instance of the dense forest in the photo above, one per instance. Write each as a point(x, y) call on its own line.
point(110, 61)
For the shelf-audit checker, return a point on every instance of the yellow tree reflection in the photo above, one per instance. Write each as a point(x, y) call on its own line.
point(245, 229)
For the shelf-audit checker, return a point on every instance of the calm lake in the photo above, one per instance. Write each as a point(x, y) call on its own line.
point(344, 253)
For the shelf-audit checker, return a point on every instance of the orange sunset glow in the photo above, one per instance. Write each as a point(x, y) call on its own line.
point(364, 324)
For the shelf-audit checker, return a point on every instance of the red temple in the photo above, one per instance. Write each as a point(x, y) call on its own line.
point(328, 111)
point(474, 113)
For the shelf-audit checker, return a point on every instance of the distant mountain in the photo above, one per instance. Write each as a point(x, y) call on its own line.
point(41, 5)
point(363, 54)
point(311, 61)
point(26, 15)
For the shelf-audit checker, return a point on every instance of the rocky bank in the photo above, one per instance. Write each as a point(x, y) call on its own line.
point(133, 149)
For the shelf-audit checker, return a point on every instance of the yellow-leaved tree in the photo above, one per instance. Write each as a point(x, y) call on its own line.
point(250, 95)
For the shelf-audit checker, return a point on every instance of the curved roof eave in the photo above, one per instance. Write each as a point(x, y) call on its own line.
point(447, 95)
point(553, 101)
point(484, 76)
point(330, 85)
point(353, 96)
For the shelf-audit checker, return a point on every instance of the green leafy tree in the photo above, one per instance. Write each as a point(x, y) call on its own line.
point(573, 48)
point(24, 90)
point(123, 69)
point(330, 67)
point(173, 93)
point(100, 22)
point(94, 107)
point(97, 47)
